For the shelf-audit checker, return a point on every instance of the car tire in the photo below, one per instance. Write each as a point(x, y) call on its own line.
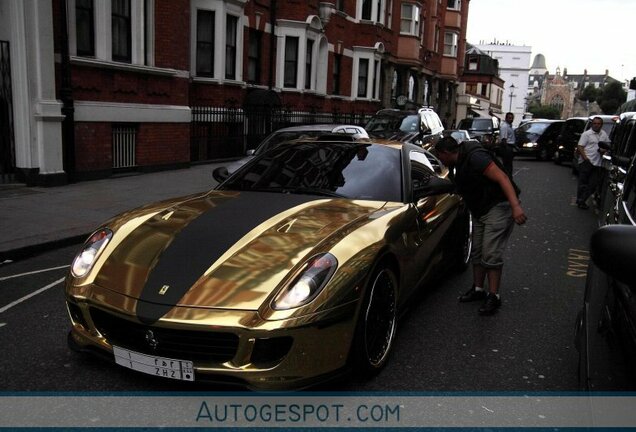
point(377, 323)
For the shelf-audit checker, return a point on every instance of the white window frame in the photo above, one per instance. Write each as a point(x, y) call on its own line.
point(457, 5)
point(453, 45)
point(140, 54)
point(377, 7)
point(221, 10)
point(374, 57)
point(414, 19)
point(311, 29)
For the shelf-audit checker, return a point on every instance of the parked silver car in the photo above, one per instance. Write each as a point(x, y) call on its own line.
point(296, 132)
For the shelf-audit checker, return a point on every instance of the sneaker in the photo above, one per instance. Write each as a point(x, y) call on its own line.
point(472, 295)
point(491, 305)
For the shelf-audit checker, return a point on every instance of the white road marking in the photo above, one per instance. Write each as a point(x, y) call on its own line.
point(28, 296)
point(3, 324)
point(33, 272)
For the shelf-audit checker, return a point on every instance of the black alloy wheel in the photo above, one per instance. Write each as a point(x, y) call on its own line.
point(377, 324)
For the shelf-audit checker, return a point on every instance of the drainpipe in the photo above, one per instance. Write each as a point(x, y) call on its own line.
point(272, 42)
point(66, 94)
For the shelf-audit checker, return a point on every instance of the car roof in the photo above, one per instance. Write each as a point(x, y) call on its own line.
point(576, 118)
point(373, 141)
point(543, 121)
point(627, 115)
point(326, 127)
point(605, 117)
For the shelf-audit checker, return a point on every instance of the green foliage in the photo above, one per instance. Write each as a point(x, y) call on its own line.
point(544, 111)
point(590, 93)
point(611, 97)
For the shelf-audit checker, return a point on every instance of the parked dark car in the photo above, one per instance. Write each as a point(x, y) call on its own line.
point(483, 129)
point(538, 138)
point(422, 127)
point(606, 325)
point(295, 132)
point(568, 139)
point(616, 161)
point(460, 135)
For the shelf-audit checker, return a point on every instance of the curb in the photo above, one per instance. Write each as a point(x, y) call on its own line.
point(29, 251)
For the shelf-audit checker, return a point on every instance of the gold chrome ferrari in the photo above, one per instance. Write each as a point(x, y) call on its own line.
point(292, 270)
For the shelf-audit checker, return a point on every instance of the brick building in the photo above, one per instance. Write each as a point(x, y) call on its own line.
point(105, 85)
point(481, 89)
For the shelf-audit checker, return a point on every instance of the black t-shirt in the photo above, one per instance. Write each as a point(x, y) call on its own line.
point(479, 192)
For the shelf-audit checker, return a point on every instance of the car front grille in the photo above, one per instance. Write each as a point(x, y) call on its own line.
point(165, 342)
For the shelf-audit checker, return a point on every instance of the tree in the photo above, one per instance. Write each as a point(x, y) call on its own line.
point(544, 111)
point(611, 97)
point(589, 93)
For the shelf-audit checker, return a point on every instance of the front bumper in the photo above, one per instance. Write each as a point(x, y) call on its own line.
point(527, 149)
point(259, 354)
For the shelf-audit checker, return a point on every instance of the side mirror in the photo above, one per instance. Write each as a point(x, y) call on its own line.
point(613, 250)
point(431, 186)
point(605, 145)
point(220, 174)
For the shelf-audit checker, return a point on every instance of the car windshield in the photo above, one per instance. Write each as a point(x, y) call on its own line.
point(476, 124)
point(383, 123)
point(278, 138)
point(459, 136)
point(350, 170)
point(535, 128)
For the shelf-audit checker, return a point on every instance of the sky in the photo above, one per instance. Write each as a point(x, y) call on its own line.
point(574, 34)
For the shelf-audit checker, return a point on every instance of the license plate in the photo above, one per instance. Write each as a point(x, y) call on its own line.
point(159, 366)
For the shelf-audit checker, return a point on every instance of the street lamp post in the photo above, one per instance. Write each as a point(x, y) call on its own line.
point(512, 94)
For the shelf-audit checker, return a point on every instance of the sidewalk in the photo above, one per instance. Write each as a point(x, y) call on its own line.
point(33, 219)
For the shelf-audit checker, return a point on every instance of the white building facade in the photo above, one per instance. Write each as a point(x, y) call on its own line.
point(514, 69)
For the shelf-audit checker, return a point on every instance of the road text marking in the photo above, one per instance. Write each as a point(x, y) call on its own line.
point(578, 261)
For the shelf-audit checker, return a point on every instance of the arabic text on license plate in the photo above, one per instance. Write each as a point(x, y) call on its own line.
point(159, 366)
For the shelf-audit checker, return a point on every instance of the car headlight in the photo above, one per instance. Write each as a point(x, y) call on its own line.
point(529, 144)
point(308, 283)
point(84, 260)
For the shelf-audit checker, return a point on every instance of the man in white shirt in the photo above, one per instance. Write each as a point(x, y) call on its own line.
point(590, 160)
point(507, 143)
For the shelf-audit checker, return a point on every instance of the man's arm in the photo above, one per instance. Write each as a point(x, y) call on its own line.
point(581, 146)
point(493, 173)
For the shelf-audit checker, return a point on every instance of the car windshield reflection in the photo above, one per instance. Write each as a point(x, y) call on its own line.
point(350, 170)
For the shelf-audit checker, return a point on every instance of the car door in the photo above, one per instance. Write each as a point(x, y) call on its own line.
point(622, 298)
point(433, 216)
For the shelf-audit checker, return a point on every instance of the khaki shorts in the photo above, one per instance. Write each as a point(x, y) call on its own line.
point(490, 235)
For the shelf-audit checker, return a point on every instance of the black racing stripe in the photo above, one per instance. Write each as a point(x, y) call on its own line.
point(202, 242)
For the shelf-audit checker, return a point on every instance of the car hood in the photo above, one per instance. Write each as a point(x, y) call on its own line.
point(223, 249)
point(524, 137)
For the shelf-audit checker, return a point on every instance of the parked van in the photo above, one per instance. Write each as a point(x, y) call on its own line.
point(483, 129)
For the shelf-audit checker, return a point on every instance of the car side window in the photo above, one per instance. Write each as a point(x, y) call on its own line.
point(421, 170)
point(629, 148)
point(629, 192)
point(426, 127)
